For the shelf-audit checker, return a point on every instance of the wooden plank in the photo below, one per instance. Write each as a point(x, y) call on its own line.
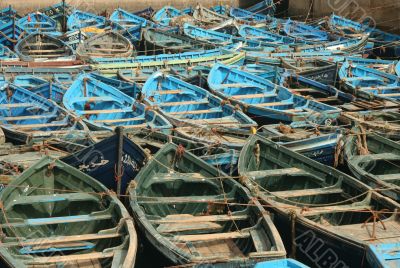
point(389, 94)
point(334, 209)
point(389, 177)
point(16, 105)
point(304, 90)
point(40, 125)
point(251, 96)
point(71, 197)
point(69, 258)
point(196, 112)
point(271, 104)
point(186, 199)
point(119, 120)
point(188, 218)
point(26, 117)
point(166, 92)
point(307, 192)
point(60, 239)
point(209, 237)
point(103, 111)
point(167, 104)
point(191, 226)
point(275, 172)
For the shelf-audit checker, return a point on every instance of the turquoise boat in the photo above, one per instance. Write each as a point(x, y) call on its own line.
point(307, 33)
point(28, 81)
point(104, 107)
point(51, 91)
point(183, 208)
point(285, 263)
point(127, 19)
point(130, 89)
point(37, 22)
point(165, 15)
point(369, 83)
point(186, 105)
point(254, 33)
point(7, 55)
point(398, 69)
point(265, 101)
point(384, 255)
point(80, 19)
point(247, 16)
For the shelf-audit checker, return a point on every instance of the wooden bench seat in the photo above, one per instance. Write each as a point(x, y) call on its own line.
point(211, 237)
point(335, 209)
point(308, 192)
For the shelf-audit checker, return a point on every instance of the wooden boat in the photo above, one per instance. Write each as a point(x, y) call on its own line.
point(11, 32)
point(28, 81)
point(372, 159)
point(28, 116)
point(133, 33)
point(264, 7)
point(384, 122)
point(247, 16)
point(265, 101)
point(316, 142)
point(345, 26)
point(318, 91)
point(163, 61)
point(7, 54)
point(369, 83)
point(37, 22)
point(260, 34)
point(349, 45)
point(316, 69)
point(398, 69)
point(186, 105)
point(101, 159)
point(313, 201)
point(307, 33)
point(105, 45)
point(127, 19)
point(207, 16)
point(185, 224)
point(8, 13)
point(383, 255)
point(51, 91)
point(54, 223)
point(161, 42)
point(165, 15)
point(285, 263)
point(104, 107)
point(130, 89)
point(74, 38)
point(79, 20)
point(40, 46)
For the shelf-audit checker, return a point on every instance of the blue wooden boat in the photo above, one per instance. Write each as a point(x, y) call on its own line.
point(369, 83)
point(130, 89)
point(169, 199)
point(387, 66)
point(100, 160)
point(264, 100)
point(41, 46)
point(8, 13)
point(383, 255)
point(6, 54)
point(109, 44)
point(80, 19)
point(165, 15)
point(215, 37)
point(246, 15)
point(347, 45)
point(264, 7)
point(28, 81)
point(51, 91)
point(304, 32)
point(29, 116)
point(105, 107)
point(133, 33)
point(11, 33)
point(254, 33)
point(318, 91)
point(37, 22)
point(285, 263)
point(63, 80)
point(316, 142)
point(127, 19)
point(220, 9)
point(398, 69)
point(346, 26)
point(58, 12)
point(186, 105)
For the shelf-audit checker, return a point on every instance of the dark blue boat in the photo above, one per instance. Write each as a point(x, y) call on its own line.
point(37, 22)
point(99, 161)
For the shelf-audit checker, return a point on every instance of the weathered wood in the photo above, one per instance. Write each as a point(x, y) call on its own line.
point(196, 112)
point(335, 209)
point(308, 192)
point(70, 258)
point(272, 104)
point(210, 237)
point(188, 218)
point(166, 104)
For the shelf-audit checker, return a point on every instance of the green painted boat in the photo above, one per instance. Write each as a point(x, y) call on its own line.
point(316, 203)
point(227, 58)
point(196, 215)
point(56, 216)
point(374, 160)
